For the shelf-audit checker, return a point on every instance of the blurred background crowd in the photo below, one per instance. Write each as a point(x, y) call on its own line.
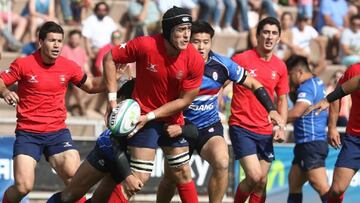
point(327, 32)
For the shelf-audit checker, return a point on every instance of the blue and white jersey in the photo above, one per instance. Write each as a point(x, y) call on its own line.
point(311, 127)
point(105, 145)
point(203, 111)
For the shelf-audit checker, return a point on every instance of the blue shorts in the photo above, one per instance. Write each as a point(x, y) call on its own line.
point(35, 144)
point(205, 134)
point(102, 159)
point(310, 155)
point(349, 156)
point(245, 143)
point(152, 135)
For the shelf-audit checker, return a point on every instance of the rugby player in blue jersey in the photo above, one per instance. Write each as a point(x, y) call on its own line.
point(311, 147)
point(203, 112)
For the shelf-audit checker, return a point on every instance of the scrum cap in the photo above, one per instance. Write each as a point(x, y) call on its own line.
point(173, 17)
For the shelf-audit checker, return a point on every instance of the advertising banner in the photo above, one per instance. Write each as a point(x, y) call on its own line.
point(277, 187)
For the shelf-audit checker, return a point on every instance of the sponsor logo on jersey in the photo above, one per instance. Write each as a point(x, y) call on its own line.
point(302, 94)
point(179, 74)
point(7, 71)
point(273, 75)
point(33, 79)
point(252, 72)
point(203, 107)
point(152, 68)
point(62, 79)
point(122, 46)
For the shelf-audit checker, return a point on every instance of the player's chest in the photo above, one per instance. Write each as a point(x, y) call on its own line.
point(268, 75)
point(45, 80)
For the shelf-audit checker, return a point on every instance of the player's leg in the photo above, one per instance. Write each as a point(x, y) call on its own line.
point(341, 180)
point(104, 190)
point(26, 153)
point(24, 175)
point(245, 150)
point(346, 166)
point(167, 186)
point(215, 151)
point(178, 159)
point(296, 178)
point(258, 195)
point(318, 180)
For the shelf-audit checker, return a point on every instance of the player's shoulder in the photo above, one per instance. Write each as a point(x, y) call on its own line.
point(224, 61)
point(244, 54)
point(353, 69)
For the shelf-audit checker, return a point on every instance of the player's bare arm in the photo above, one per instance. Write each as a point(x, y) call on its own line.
point(93, 85)
point(167, 109)
point(10, 97)
point(261, 94)
point(333, 134)
point(282, 108)
point(297, 111)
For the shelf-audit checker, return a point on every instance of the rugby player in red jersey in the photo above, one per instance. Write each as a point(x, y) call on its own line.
point(249, 128)
point(347, 163)
point(168, 77)
point(42, 79)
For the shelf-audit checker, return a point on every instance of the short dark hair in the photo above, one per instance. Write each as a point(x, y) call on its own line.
point(74, 32)
point(50, 27)
point(296, 61)
point(354, 17)
point(97, 5)
point(201, 26)
point(266, 21)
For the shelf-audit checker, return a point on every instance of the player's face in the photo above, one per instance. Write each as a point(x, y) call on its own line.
point(268, 37)
point(294, 76)
point(180, 36)
point(51, 46)
point(75, 40)
point(202, 42)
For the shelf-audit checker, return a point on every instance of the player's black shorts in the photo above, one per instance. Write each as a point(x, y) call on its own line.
point(310, 155)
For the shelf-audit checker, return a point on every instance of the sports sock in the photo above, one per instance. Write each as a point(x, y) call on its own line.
point(256, 198)
point(295, 198)
point(240, 197)
point(117, 195)
point(187, 192)
point(335, 199)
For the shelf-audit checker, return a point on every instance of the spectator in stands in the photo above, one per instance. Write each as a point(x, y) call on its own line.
point(79, 9)
point(332, 19)
point(67, 12)
point(144, 17)
point(283, 50)
point(97, 29)
point(73, 51)
point(31, 47)
point(350, 42)
point(243, 5)
point(164, 5)
point(303, 35)
point(207, 8)
point(39, 12)
point(17, 21)
point(228, 16)
point(305, 9)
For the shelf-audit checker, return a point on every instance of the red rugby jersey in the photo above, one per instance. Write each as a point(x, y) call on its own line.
point(246, 110)
point(41, 90)
point(353, 125)
point(160, 78)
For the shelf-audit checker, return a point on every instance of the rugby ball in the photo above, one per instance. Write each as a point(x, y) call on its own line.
point(123, 118)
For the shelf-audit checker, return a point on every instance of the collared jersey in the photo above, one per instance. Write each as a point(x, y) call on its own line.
point(246, 111)
point(160, 78)
point(353, 125)
point(203, 111)
point(41, 90)
point(311, 127)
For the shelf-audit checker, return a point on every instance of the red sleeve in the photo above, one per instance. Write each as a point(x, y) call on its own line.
point(195, 73)
point(11, 75)
point(127, 52)
point(283, 85)
point(352, 71)
point(77, 74)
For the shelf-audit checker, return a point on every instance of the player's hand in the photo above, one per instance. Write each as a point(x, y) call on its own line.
point(132, 185)
point(334, 138)
point(173, 130)
point(279, 134)
point(142, 121)
point(320, 106)
point(110, 106)
point(10, 97)
point(275, 118)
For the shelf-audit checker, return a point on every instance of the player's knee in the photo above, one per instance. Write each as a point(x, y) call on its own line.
point(221, 166)
point(182, 173)
point(24, 188)
point(337, 190)
point(179, 165)
point(255, 179)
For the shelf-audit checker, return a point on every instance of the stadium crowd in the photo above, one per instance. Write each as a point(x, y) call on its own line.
point(306, 36)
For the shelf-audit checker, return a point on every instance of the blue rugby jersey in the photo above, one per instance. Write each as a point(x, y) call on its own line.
point(311, 127)
point(203, 111)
